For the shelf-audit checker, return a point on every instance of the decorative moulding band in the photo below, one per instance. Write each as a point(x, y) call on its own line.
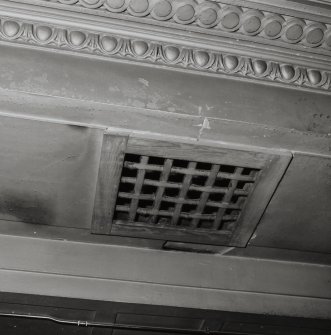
point(217, 17)
point(172, 55)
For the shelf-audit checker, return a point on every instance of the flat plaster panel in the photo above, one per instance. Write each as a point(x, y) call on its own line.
point(299, 215)
point(76, 77)
point(47, 172)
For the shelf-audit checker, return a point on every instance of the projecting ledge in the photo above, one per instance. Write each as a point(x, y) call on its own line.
point(137, 275)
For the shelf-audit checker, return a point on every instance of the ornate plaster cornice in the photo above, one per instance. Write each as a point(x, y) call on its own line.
point(217, 17)
point(113, 37)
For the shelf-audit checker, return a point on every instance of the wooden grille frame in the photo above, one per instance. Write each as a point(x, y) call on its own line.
point(271, 165)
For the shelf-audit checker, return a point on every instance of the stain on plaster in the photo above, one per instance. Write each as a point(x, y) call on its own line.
point(29, 207)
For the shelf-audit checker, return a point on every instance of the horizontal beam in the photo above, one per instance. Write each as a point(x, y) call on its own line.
point(176, 296)
point(84, 235)
point(124, 118)
point(137, 275)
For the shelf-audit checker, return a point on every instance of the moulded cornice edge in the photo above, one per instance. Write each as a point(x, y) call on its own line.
point(277, 66)
point(239, 19)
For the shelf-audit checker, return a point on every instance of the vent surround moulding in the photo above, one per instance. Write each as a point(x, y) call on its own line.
point(183, 192)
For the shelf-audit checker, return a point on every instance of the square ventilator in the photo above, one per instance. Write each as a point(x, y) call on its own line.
point(186, 192)
point(182, 193)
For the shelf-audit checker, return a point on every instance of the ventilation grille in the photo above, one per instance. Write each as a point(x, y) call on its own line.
point(181, 193)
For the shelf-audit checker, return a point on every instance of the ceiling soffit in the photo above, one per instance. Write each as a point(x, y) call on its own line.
point(247, 39)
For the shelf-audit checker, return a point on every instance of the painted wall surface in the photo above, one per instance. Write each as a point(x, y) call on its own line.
point(299, 215)
point(47, 172)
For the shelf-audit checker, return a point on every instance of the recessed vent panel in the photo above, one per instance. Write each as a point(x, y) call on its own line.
point(183, 192)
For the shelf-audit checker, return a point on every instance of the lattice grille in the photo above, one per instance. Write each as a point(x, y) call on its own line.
point(181, 193)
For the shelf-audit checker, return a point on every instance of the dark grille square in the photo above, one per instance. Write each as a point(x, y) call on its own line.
point(180, 193)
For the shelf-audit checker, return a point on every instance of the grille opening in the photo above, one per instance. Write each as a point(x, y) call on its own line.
point(121, 216)
point(144, 218)
point(216, 197)
point(231, 214)
point(171, 192)
point(180, 163)
point(199, 180)
point(206, 224)
point(147, 204)
point(152, 175)
point(126, 187)
point(244, 185)
point(167, 206)
point(189, 208)
point(182, 193)
point(156, 160)
point(123, 201)
point(209, 210)
point(221, 182)
point(176, 178)
point(163, 220)
point(227, 169)
point(234, 199)
point(229, 225)
point(148, 189)
point(184, 222)
point(203, 166)
point(128, 172)
point(132, 158)
point(249, 172)
point(194, 195)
